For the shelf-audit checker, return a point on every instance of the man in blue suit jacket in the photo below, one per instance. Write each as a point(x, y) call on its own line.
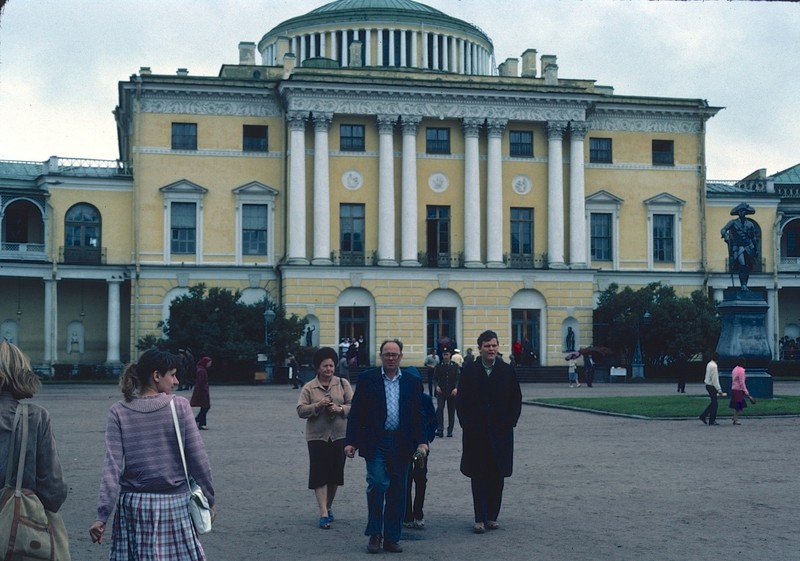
point(386, 427)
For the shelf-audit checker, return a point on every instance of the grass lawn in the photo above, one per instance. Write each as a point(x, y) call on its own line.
point(673, 406)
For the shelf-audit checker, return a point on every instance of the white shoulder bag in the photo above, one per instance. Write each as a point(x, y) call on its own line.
point(198, 503)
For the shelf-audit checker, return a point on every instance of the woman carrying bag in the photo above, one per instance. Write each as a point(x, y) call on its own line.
point(143, 473)
point(41, 473)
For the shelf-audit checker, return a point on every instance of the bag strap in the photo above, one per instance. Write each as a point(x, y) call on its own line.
point(180, 440)
point(22, 413)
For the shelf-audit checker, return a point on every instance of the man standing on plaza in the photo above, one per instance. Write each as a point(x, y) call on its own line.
point(386, 427)
point(430, 364)
point(489, 403)
point(445, 376)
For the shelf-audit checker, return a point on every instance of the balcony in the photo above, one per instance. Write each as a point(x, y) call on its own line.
point(526, 261)
point(82, 255)
point(789, 264)
point(352, 259)
point(23, 251)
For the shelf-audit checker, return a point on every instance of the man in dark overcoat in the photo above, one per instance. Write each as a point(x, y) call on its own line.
point(488, 403)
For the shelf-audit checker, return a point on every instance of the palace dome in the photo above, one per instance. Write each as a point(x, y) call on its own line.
point(392, 33)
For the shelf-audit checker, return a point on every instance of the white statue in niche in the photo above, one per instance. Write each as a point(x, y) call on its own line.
point(75, 337)
point(9, 331)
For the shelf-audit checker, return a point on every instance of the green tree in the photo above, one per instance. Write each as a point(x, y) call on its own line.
point(668, 324)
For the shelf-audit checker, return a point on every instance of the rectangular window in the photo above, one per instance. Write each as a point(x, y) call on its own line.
point(183, 224)
point(351, 228)
point(600, 150)
point(521, 143)
point(663, 153)
point(351, 138)
point(438, 236)
point(254, 229)
point(437, 140)
point(522, 232)
point(601, 236)
point(184, 136)
point(663, 238)
point(254, 138)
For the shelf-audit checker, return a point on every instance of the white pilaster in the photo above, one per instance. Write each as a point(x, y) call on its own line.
point(409, 219)
point(392, 60)
point(494, 195)
point(414, 50)
point(555, 194)
point(345, 49)
point(368, 47)
point(386, 212)
point(113, 325)
point(379, 54)
point(577, 196)
point(436, 51)
point(472, 192)
point(296, 247)
point(425, 64)
point(403, 47)
point(321, 220)
point(445, 53)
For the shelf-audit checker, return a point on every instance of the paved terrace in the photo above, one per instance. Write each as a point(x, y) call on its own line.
point(585, 486)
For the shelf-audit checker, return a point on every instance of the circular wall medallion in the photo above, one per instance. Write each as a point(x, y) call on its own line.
point(438, 182)
point(521, 184)
point(352, 179)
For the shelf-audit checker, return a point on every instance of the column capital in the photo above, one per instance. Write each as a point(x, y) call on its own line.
point(322, 121)
point(578, 129)
point(496, 126)
point(556, 129)
point(296, 120)
point(410, 123)
point(386, 123)
point(472, 126)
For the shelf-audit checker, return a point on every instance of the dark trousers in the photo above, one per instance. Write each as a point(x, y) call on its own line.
point(419, 477)
point(589, 373)
point(201, 416)
point(711, 411)
point(386, 489)
point(487, 496)
point(451, 412)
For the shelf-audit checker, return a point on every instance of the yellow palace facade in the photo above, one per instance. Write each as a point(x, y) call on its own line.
point(368, 166)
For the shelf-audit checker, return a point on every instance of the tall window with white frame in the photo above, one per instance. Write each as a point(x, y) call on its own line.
point(521, 254)
point(438, 236)
point(351, 231)
point(254, 229)
point(663, 238)
point(183, 227)
point(600, 244)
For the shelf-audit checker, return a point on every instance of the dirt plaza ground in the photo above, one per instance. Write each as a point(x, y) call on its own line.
point(585, 486)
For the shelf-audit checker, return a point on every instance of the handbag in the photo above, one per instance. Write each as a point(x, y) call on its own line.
point(27, 530)
point(199, 510)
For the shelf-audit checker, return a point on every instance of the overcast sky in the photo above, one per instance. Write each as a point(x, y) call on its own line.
point(61, 60)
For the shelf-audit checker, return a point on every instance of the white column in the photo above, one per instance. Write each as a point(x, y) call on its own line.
point(435, 51)
point(295, 49)
point(50, 338)
point(113, 325)
point(313, 48)
point(334, 46)
point(403, 48)
point(323, 51)
point(379, 55)
point(296, 247)
point(303, 53)
point(386, 212)
point(409, 219)
point(392, 60)
point(468, 57)
point(555, 194)
point(472, 192)
point(577, 195)
point(414, 51)
point(345, 49)
point(453, 54)
point(368, 47)
point(445, 53)
point(425, 50)
point(494, 195)
point(462, 57)
point(321, 219)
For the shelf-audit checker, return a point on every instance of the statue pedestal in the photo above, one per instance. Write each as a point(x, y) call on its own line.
point(744, 333)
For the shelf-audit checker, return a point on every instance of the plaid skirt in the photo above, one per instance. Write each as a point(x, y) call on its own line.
point(154, 527)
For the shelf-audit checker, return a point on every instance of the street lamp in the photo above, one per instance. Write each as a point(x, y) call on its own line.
point(269, 317)
point(637, 366)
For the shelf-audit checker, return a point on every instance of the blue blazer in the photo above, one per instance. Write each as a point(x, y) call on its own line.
point(367, 415)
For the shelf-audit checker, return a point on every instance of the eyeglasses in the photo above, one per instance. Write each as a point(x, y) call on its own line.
point(390, 356)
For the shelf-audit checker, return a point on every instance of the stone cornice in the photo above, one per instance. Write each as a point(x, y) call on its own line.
point(647, 120)
point(194, 103)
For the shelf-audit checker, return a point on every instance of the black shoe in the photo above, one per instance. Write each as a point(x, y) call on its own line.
point(703, 419)
point(714, 424)
point(392, 547)
point(439, 433)
point(450, 434)
point(374, 545)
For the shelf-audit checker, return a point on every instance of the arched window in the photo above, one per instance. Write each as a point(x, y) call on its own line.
point(82, 234)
